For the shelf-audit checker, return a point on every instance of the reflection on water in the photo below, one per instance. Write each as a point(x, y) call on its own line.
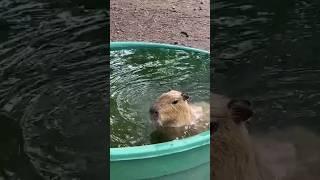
point(268, 52)
point(52, 90)
point(139, 76)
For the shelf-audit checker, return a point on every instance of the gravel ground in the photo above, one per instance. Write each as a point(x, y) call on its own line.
point(182, 22)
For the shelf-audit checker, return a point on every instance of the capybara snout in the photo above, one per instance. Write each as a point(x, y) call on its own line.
point(171, 109)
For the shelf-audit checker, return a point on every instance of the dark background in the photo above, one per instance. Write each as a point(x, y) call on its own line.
point(269, 53)
point(54, 89)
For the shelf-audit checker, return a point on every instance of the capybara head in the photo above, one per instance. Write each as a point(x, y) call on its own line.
point(240, 110)
point(232, 152)
point(171, 109)
point(229, 112)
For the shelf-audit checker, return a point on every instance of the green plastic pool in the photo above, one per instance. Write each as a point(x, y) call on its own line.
point(186, 159)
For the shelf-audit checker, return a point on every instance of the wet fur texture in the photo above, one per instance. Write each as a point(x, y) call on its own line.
point(178, 120)
point(233, 155)
point(178, 114)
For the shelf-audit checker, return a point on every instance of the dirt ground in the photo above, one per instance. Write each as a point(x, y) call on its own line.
point(182, 22)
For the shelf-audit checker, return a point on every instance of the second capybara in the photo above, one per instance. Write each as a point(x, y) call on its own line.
point(233, 155)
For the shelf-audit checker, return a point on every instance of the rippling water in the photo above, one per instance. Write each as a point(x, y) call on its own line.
point(269, 52)
point(139, 76)
point(53, 81)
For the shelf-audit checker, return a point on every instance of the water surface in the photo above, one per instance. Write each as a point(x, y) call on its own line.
point(139, 76)
point(53, 89)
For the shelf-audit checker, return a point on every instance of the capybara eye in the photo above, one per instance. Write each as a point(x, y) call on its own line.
point(175, 102)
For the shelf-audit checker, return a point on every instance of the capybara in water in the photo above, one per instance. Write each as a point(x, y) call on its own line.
point(233, 155)
point(174, 117)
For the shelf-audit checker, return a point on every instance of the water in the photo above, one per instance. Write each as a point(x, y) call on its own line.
point(53, 89)
point(269, 52)
point(139, 76)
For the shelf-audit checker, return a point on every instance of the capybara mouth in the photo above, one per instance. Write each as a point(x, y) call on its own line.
point(154, 113)
point(154, 117)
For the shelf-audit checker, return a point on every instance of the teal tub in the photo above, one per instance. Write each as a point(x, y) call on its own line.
point(186, 159)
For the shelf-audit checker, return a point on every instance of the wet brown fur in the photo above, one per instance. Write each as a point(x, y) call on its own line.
point(178, 120)
point(175, 115)
point(233, 156)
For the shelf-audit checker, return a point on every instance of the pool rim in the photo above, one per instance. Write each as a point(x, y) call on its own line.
point(143, 44)
point(160, 149)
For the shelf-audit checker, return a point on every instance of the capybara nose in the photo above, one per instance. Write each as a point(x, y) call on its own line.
point(154, 112)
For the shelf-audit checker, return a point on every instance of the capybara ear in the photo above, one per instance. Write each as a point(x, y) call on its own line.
point(240, 110)
point(185, 96)
point(170, 89)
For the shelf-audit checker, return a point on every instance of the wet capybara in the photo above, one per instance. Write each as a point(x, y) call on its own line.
point(175, 117)
point(233, 155)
